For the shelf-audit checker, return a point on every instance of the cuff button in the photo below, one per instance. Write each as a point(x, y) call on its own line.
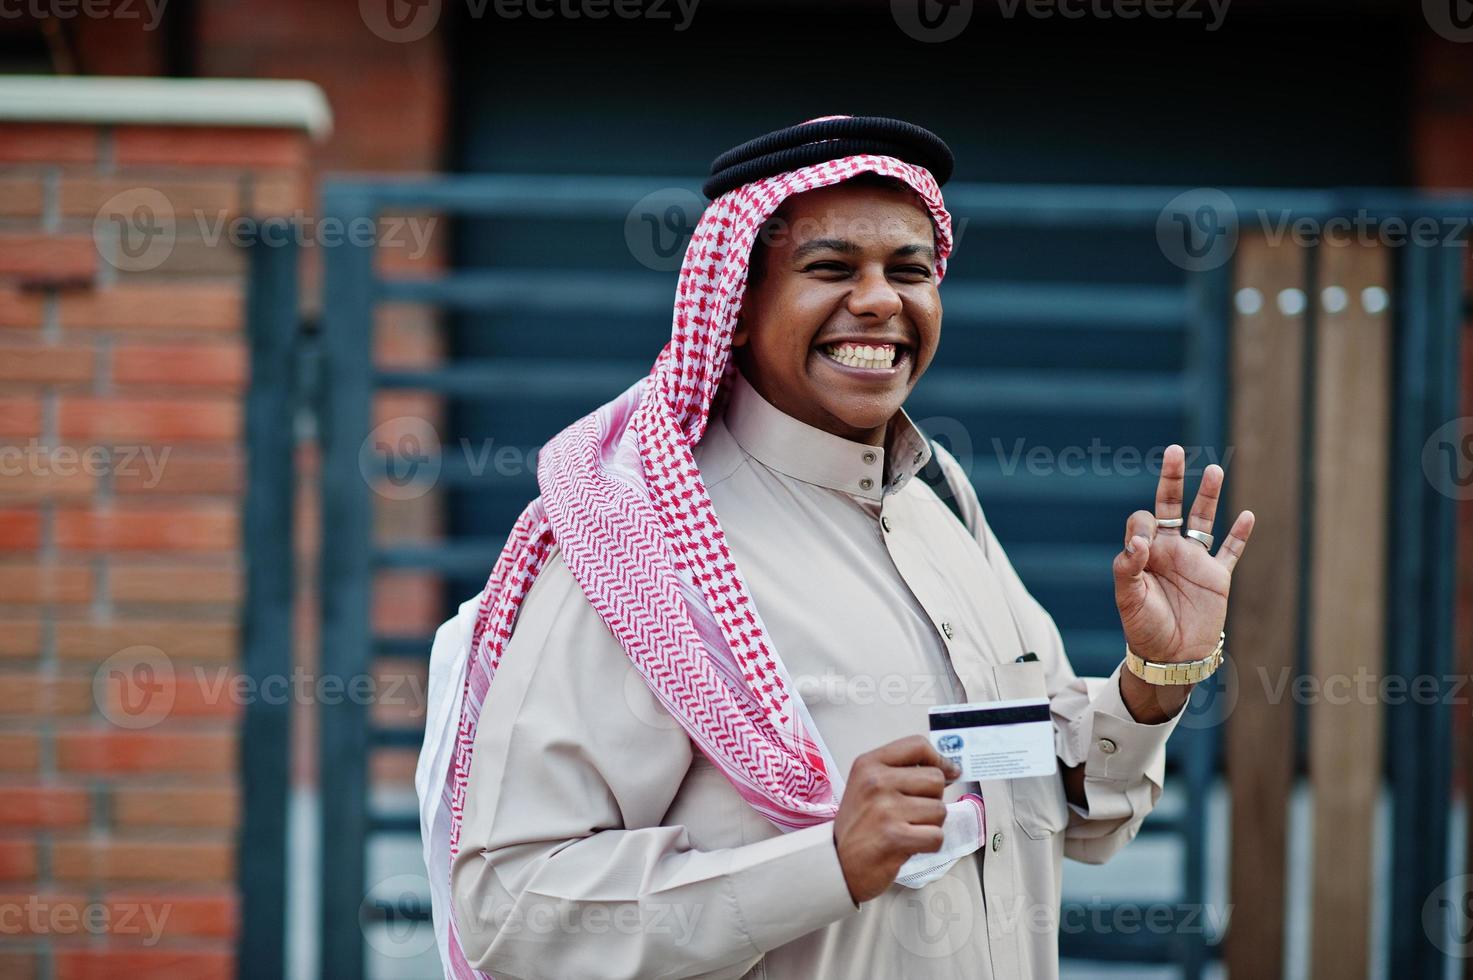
point(1107, 746)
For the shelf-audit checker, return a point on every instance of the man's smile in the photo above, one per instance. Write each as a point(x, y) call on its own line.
point(872, 360)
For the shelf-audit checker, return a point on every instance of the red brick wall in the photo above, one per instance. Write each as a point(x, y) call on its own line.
point(389, 102)
point(175, 335)
point(120, 490)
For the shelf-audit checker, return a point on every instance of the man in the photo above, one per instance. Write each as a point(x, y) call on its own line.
point(662, 782)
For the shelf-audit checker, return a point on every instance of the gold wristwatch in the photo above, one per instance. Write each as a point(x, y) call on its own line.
point(1171, 674)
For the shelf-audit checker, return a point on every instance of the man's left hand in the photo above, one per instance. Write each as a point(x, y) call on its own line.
point(1171, 591)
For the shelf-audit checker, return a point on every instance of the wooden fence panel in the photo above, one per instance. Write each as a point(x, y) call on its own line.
point(1266, 475)
point(1351, 440)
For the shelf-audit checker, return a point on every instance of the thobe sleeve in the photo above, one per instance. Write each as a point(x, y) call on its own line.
point(1124, 760)
point(566, 866)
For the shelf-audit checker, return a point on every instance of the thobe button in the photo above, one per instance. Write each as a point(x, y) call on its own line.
point(885, 523)
point(870, 457)
point(1108, 746)
point(996, 842)
point(946, 628)
point(866, 483)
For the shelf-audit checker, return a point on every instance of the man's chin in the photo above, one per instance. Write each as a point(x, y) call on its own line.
point(858, 416)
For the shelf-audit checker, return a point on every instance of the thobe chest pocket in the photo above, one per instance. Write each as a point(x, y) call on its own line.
point(1039, 804)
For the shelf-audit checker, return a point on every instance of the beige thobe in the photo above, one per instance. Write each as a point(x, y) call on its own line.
point(598, 842)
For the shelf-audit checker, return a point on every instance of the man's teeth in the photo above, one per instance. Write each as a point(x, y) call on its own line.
point(863, 355)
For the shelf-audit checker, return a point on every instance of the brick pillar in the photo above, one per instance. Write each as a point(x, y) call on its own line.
point(122, 364)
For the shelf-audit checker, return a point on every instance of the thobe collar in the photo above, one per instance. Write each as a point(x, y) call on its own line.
point(803, 452)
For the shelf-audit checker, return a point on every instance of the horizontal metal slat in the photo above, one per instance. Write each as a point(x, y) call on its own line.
point(1062, 564)
point(544, 291)
point(407, 910)
point(397, 738)
point(1045, 304)
point(999, 476)
point(552, 292)
point(957, 389)
point(469, 556)
point(1053, 393)
point(510, 195)
point(394, 823)
point(535, 379)
point(403, 646)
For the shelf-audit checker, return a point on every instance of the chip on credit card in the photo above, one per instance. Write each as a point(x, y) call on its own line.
point(996, 739)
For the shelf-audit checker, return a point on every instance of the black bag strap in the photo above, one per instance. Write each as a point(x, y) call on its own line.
point(934, 474)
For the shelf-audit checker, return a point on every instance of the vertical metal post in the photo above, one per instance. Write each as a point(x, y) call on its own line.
point(1207, 366)
point(1419, 742)
point(266, 627)
point(346, 582)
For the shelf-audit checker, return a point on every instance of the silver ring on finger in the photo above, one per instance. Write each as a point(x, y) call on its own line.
point(1201, 536)
point(1169, 522)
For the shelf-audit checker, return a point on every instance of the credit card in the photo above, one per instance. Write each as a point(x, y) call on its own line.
point(996, 739)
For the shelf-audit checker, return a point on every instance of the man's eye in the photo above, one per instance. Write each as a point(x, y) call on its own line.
point(914, 270)
point(826, 267)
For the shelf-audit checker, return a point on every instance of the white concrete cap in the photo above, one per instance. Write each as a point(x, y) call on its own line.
point(100, 99)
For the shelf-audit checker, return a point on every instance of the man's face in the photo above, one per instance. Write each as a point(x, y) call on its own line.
point(846, 316)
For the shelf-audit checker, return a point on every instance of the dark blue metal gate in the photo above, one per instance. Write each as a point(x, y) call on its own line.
point(1126, 349)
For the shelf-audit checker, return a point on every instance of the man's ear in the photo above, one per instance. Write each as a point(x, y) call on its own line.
point(739, 333)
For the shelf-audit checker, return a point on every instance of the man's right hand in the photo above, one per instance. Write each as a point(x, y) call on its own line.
point(891, 810)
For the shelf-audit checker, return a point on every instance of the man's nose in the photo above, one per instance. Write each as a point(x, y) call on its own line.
point(873, 295)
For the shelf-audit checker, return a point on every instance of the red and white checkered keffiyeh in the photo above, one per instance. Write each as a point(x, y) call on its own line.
point(624, 501)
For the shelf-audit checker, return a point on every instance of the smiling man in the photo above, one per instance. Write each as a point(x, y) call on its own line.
point(717, 637)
